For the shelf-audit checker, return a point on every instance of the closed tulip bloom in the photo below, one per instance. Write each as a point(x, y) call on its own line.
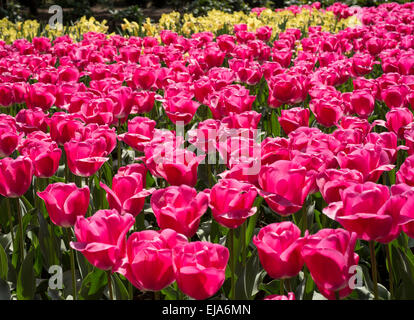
point(64, 127)
point(327, 112)
point(367, 159)
point(9, 139)
point(180, 109)
point(397, 119)
point(293, 118)
point(30, 120)
point(140, 131)
point(41, 96)
point(101, 238)
point(406, 172)
point(231, 202)
point(367, 210)
point(85, 158)
point(179, 208)
point(127, 194)
point(45, 156)
point(65, 202)
point(285, 186)
point(149, 264)
point(279, 246)
point(362, 102)
point(182, 169)
point(332, 181)
point(15, 176)
point(329, 254)
point(200, 268)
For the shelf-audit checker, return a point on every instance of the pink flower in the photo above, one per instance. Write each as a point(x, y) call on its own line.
point(362, 102)
point(149, 264)
point(200, 268)
point(293, 118)
point(333, 250)
point(181, 168)
point(140, 131)
point(86, 157)
point(367, 159)
point(127, 194)
point(65, 202)
point(179, 208)
point(285, 186)
point(327, 112)
point(15, 176)
point(279, 246)
point(181, 109)
point(9, 139)
point(45, 156)
point(367, 210)
point(332, 181)
point(285, 89)
point(101, 238)
point(231, 202)
point(406, 172)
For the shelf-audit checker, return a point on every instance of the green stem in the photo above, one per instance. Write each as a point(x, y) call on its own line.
point(282, 287)
point(233, 265)
point(337, 297)
point(72, 264)
point(390, 270)
point(19, 215)
point(374, 268)
point(157, 295)
point(243, 243)
point(10, 218)
point(111, 294)
point(130, 291)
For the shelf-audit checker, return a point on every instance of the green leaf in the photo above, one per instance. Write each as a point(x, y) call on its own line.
point(93, 285)
point(4, 264)
point(121, 292)
point(247, 285)
point(26, 285)
point(5, 293)
point(272, 287)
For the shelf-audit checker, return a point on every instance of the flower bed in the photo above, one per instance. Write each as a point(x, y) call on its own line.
point(232, 156)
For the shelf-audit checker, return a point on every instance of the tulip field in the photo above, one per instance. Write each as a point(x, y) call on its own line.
point(232, 156)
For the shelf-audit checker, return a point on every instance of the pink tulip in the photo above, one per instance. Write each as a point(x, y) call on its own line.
point(127, 194)
point(333, 248)
point(293, 118)
point(180, 109)
point(9, 139)
point(30, 120)
point(231, 202)
point(101, 238)
point(65, 202)
point(140, 131)
point(362, 102)
point(366, 159)
point(406, 172)
point(181, 168)
point(45, 156)
point(200, 268)
point(179, 208)
point(149, 264)
point(85, 158)
point(15, 176)
point(279, 246)
point(331, 182)
point(367, 210)
point(285, 186)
